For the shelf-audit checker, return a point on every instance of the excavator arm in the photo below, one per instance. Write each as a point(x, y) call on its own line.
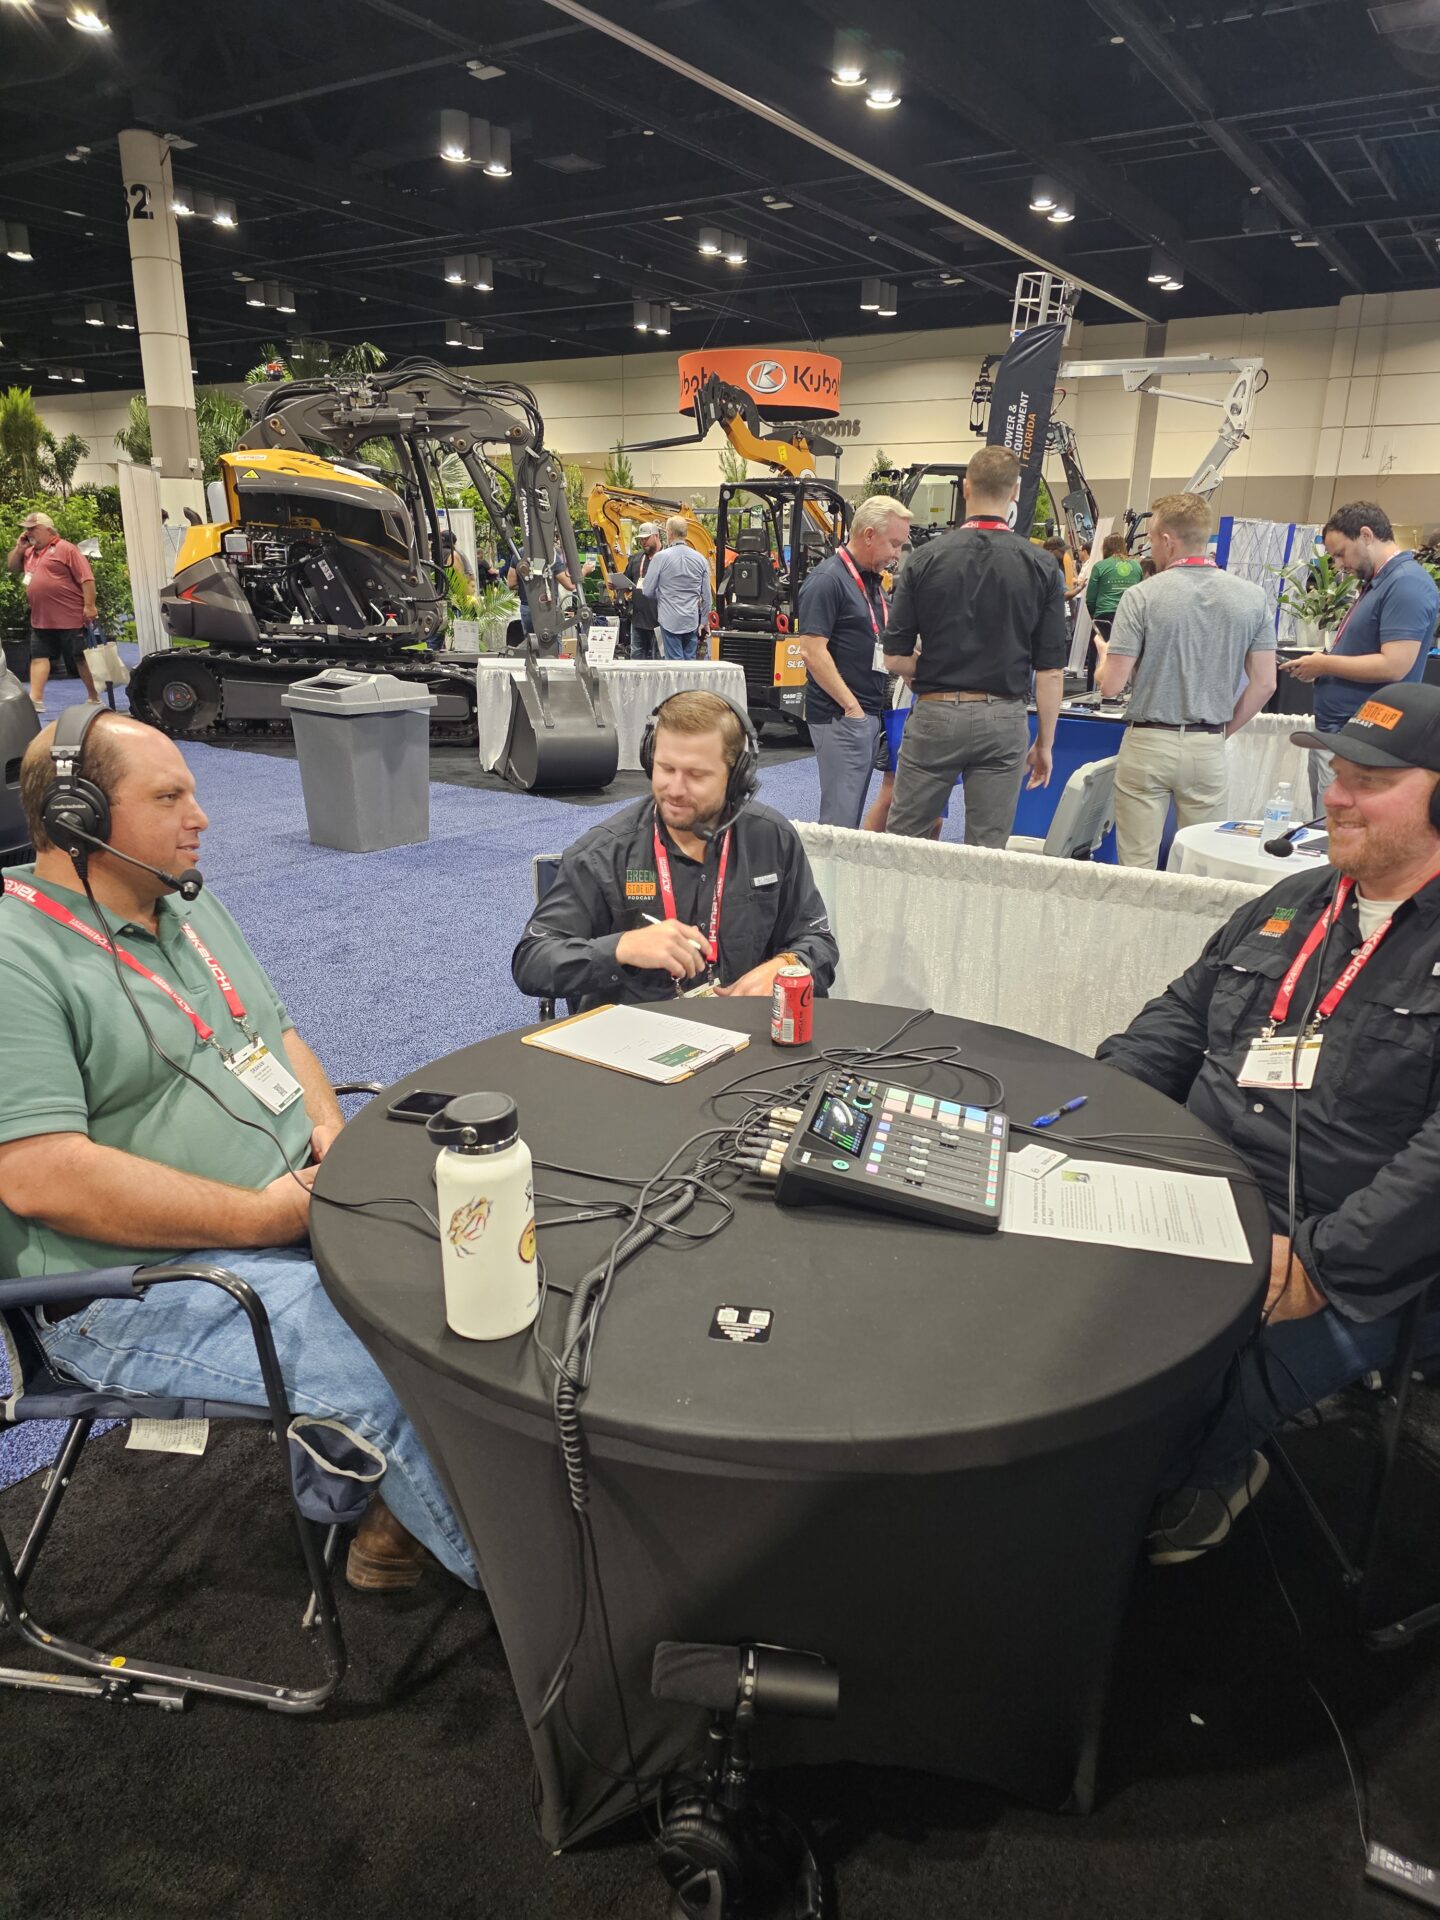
point(421, 405)
point(613, 511)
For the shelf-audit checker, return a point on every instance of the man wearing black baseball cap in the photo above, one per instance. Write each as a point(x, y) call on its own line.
point(1324, 993)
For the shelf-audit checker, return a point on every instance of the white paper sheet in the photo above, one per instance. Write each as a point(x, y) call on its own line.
point(640, 1040)
point(1102, 1203)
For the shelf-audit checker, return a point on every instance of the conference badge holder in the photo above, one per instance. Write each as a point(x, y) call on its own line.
point(1275, 1061)
point(260, 1073)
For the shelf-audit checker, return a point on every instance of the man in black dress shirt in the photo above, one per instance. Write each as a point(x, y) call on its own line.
point(990, 609)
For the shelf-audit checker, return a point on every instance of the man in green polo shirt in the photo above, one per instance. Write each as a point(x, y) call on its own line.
point(1113, 573)
point(139, 1122)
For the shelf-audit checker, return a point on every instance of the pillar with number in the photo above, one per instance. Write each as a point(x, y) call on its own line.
point(161, 320)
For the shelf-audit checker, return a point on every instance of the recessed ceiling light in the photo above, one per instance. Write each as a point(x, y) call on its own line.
point(671, 218)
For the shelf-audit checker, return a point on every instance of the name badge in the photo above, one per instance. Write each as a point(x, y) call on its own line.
point(878, 662)
point(1278, 1063)
point(260, 1073)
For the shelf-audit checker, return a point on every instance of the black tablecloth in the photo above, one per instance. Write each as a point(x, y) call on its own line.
point(936, 1471)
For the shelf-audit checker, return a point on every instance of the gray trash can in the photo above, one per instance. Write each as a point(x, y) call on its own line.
point(363, 742)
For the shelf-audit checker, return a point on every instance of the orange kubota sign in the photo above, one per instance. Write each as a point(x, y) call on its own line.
point(791, 385)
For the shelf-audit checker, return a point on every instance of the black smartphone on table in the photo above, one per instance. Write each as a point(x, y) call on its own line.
point(419, 1106)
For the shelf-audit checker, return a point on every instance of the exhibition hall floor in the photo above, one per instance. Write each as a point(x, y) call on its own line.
point(1223, 1791)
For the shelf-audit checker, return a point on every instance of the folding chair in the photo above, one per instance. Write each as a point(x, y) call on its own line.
point(1083, 817)
point(543, 869)
point(1357, 1571)
point(38, 1392)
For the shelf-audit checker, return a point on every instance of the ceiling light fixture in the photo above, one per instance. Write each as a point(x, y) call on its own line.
point(88, 19)
point(454, 334)
point(285, 301)
point(1172, 285)
point(255, 294)
point(454, 270)
point(869, 296)
point(1161, 267)
point(883, 92)
point(203, 204)
point(455, 137)
point(125, 319)
point(225, 215)
point(847, 63)
point(481, 270)
point(1043, 193)
point(736, 251)
point(17, 241)
point(54, 373)
point(711, 241)
point(889, 302)
point(498, 164)
point(640, 315)
point(660, 321)
point(181, 204)
point(1063, 211)
point(94, 314)
point(474, 339)
point(77, 378)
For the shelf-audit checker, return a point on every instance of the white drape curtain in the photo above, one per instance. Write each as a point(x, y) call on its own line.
point(1259, 757)
point(147, 552)
point(1068, 950)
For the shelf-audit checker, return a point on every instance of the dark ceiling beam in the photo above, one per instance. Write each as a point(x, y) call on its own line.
point(1179, 78)
point(761, 110)
point(945, 66)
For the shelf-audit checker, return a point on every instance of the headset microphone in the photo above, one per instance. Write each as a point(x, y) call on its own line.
point(188, 884)
point(1283, 845)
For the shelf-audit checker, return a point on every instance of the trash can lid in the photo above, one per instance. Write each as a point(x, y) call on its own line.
point(340, 690)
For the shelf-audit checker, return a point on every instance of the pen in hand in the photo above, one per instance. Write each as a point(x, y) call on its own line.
point(1070, 1106)
point(655, 921)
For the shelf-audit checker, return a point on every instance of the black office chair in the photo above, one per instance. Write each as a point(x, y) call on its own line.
point(38, 1392)
point(1357, 1571)
point(543, 869)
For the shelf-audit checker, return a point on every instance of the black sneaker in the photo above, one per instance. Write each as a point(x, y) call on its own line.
point(1188, 1523)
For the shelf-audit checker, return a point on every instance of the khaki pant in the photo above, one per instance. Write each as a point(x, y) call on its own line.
point(1154, 767)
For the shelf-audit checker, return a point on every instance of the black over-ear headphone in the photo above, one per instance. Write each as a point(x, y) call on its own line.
point(744, 782)
point(74, 806)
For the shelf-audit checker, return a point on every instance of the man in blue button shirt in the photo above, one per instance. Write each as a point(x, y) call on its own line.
point(678, 581)
point(1386, 634)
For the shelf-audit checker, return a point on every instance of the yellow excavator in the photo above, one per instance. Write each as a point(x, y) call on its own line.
point(770, 532)
point(615, 515)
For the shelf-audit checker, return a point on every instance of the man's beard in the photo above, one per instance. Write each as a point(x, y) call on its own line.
point(1367, 852)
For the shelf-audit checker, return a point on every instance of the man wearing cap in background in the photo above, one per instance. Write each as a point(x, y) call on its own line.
point(1325, 991)
point(61, 591)
point(644, 619)
point(1383, 638)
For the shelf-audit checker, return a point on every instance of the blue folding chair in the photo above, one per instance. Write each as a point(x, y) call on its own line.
point(322, 1502)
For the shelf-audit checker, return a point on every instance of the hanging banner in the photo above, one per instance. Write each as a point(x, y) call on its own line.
point(1020, 408)
point(787, 383)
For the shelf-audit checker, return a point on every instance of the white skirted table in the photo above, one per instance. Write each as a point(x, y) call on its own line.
point(1213, 854)
point(636, 688)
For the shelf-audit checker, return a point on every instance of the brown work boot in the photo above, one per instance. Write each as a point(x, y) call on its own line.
point(383, 1557)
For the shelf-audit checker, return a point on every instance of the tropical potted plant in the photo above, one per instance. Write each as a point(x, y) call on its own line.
point(1317, 596)
point(496, 607)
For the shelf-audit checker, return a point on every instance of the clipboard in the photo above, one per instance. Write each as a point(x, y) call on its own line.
point(639, 1041)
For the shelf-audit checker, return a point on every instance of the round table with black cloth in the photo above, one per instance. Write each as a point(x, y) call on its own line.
point(936, 1471)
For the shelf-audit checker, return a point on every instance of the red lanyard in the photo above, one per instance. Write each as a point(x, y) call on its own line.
point(987, 523)
point(1193, 560)
point(32, 897)
point(667, 890)
point(854, 573)
point(1313, 939)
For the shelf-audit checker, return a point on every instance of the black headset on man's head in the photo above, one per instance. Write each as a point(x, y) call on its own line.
point(744, 781)
point(75, 811)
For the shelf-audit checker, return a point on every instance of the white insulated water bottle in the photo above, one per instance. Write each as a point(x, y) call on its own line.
point(484, 1187)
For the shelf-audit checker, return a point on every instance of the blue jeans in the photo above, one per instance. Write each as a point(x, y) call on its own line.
point(1290, 1367)
point(678, 646)
point(194, 1340)
point(643, 643)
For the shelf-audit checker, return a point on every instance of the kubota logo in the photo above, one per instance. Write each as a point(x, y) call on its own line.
point(766, 376)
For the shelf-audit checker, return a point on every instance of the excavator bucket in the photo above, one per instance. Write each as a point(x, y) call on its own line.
point(562, 728)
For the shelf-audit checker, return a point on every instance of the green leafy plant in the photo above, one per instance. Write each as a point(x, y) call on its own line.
point(22, 442)
point(618, 472)
point(1046, 520)
point(220, 420)
point(881, 477)
point(312, 359)
point(60, 459)
point(1316, 591)
point(734, 469)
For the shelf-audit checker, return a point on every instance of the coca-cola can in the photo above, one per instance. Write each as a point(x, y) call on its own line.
point(792, 1007)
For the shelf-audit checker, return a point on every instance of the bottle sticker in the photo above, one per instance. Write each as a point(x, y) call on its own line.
point(467, 1223)
point(527, 1242)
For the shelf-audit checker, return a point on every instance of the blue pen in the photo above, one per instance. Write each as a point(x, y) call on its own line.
point(1070, 1106)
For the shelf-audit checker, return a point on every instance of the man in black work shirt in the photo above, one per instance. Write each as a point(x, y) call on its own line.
point(839, 620)
point(990, 610)
point(1367, 1218)
point(698, 885)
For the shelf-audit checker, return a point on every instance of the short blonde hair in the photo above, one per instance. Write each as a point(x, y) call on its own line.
point(676, 528)
point(697, 712)
point(992, 473)
point(1185, 515)
point(875, 511)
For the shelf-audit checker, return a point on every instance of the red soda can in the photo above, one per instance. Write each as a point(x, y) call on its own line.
point(792, 1007)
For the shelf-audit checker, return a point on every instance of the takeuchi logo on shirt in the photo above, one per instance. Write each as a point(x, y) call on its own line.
point(1375, 713)
point(640, 883)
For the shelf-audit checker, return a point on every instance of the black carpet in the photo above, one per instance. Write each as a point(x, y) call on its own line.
point(1223, 1791)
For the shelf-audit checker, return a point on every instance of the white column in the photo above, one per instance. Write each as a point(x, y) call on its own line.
point(161, 319)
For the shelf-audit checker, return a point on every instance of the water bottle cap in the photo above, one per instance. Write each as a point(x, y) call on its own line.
point(476, 1123)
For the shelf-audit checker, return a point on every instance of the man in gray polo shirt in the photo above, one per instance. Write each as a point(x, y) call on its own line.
point(1201, 648)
